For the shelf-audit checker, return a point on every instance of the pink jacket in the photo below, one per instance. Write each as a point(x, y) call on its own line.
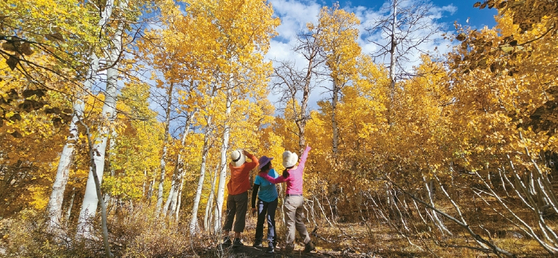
point(295, 180)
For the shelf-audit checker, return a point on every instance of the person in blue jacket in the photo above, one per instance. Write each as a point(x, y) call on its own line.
point(267, 204)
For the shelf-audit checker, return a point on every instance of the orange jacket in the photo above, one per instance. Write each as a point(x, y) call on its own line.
point(240, 176)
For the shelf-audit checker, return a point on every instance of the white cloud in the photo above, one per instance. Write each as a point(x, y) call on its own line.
point(295, 14)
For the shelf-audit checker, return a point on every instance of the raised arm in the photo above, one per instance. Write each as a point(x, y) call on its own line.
point(272, 180)
point(304, 156)
point(254, 159)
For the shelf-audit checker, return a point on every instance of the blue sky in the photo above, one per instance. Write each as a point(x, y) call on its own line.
point(295, 14)
point(477, 18)
point(464, 10)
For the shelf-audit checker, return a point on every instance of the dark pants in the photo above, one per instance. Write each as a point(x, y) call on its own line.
point(266, 208)
point(236, 205)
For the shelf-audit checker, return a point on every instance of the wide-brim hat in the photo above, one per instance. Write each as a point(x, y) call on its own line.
point(263, 161)
point(238, 158)
point(289, 159)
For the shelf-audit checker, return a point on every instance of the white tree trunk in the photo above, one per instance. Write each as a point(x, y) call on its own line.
point(174, 186)
point(205, 152)
point(151, 188)
point(70, 206)
point(164, 155)
point(90, 199)
point(209, 206)
point(110, 201)
point(161, 179)
point(54, 205)
point(179, 200)
point(178, 177)
point(223, 165)
point(143, 192)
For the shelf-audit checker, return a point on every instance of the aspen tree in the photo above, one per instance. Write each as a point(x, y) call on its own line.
point(337, 36)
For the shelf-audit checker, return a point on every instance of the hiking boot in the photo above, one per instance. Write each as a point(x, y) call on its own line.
point(289, 248)
point(258, 243)
point(270, 249)
point(226, 242)
point(309, 247)
point(237, 242)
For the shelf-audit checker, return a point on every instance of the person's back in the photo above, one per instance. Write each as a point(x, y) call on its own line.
point(268, 190)
point(267, 204)
point(239, 181)
point(237, 201)
point(294, 218)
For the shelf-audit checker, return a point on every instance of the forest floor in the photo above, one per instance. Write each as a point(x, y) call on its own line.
point(249, 251)
point(356, 240)
point(345, 240)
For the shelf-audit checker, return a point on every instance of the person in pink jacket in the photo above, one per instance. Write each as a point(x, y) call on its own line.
point(294, 216)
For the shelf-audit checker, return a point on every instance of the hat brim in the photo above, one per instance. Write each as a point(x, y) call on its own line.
point(240, 161)
point(264, 162)
point(290, 161)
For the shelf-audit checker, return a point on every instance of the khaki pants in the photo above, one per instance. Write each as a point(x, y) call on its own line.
point(236, 206)
point(294, 214)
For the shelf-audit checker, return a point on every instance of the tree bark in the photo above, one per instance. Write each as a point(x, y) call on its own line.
point(179, 200)
point(223, 165)
point(99, 194)
point(209, 206)
point(70, 206)
point(334, 127)
point(205, 152)
point(164, 154)
point(54, 205)
point(90, 200)
point(179, 170)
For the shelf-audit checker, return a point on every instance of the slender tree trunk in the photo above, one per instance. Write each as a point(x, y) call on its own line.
point(144, 182)
point(223, 165)
point(179, 201)
point(209, 206)
point(301, 123)
point(172, 192)
point(151, 188)
point(110, 201)
point(164, 155)
point(91, 199)
point(70, 206)
point(54, 205)
point(99, 194)
point(205, 152)
point(335, 129)
point(179, 170)
point(174, 200)
point(392, 63)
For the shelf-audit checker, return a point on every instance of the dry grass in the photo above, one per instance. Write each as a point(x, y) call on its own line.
point(140, 234)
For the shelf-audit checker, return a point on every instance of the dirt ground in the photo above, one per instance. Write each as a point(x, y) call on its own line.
point(249, 251)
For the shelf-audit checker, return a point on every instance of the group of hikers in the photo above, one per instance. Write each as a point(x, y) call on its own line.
point(266, 194)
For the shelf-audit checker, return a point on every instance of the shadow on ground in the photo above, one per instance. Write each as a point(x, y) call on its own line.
point(249, 251)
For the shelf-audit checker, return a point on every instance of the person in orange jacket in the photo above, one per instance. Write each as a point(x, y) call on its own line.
point(237, 201)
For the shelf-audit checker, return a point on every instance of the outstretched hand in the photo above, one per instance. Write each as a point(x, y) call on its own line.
point(245, 153)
